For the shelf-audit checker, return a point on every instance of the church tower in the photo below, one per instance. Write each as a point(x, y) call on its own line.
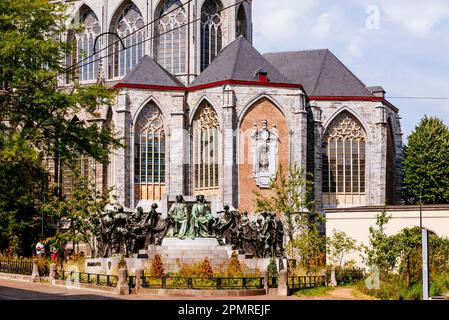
point(189, 35)
point(181, 35)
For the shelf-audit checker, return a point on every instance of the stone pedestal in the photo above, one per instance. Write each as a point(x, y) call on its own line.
point(333, 282)
point(283, 285)
point(175, 252)
point(122, 284)
point(53, 274)
point(35, 274)
point(139, 279)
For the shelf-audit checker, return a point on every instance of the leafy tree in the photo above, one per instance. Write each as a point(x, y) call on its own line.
point(408, 244)
point(272, 268)
point(31, 102)
point(291, 199)
point(21, 180)
point(426, 163)
point(43, 116)
point(309, 246)
point(381, 251)
point(78, 216)
point(339, 245)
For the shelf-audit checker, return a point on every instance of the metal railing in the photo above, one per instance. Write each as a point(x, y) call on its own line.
point(273, 282)
point(16, 266)
point(202, 284)
point(305, 282)
point(88, 278)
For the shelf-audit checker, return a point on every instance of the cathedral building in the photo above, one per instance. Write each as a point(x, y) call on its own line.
point(201, 111)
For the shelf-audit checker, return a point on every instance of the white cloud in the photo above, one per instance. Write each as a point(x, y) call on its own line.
point(325, 24)
point(414, 16)
point(354, 47)
point(278, 23)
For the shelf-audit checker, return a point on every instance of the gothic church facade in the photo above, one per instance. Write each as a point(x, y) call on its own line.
point(201, 111)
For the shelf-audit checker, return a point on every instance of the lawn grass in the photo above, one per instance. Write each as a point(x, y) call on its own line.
point(314, 292)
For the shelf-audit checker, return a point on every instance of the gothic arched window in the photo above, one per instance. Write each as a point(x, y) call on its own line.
point(128, 24)
point(211, 33)
point(391, 155)
point(149, 154)
point(205, 149)
point(241, 28)
point(84, 42)
point(171, 45)
point(344, 161)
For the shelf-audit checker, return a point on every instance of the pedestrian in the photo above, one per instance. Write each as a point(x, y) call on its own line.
point(54, 253)
point(40, 249)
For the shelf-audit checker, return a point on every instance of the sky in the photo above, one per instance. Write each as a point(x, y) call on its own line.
point(402, 45)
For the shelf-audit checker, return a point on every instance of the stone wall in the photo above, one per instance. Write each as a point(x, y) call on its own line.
point(374, 118)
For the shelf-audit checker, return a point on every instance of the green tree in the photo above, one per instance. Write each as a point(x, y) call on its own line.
point(78, 215)
point(31, 101)
point(291, 199)
point(272, 269)
point(21, 179)
point(381, 252)
point(426, 163)
point(339, 245)
point(408, 244)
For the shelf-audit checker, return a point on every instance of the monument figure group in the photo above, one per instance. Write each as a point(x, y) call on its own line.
point(123, 234)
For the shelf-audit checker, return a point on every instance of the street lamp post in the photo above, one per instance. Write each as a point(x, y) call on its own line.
point(420, 212)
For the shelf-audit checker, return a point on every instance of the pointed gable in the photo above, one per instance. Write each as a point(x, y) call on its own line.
point(239, 61)
point(149, 74)
point(321, 73)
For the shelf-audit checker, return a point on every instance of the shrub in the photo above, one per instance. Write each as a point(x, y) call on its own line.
point(157, 268)
point(234, 267)
point(272, 268)
point(122, 263)
point(439, 285)
point(206, 269)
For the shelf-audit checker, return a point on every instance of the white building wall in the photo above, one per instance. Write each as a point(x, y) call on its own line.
point(356, 222)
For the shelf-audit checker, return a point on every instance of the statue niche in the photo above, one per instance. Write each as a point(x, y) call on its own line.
point(264, 150)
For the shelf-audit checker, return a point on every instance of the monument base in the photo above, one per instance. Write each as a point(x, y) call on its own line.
point(176, 252)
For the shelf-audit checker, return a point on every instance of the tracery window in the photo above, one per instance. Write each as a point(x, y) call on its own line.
point(211, 32)
point(84, 42)
point(241, 25)
point(171, 50)
point(128, 21)
point(344, 161)
point(205, 149)
point(149, 154)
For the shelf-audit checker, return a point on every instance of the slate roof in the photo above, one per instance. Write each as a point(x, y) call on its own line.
point(239, 61)
point(320, 72)
point(149, 72)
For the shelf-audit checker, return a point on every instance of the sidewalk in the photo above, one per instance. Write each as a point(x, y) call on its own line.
point(17, 290)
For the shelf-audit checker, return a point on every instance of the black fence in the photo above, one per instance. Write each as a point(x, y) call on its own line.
point(16, 266)
point(202, 284)
point(88, 278)
point(306, 282)
point(273, 282)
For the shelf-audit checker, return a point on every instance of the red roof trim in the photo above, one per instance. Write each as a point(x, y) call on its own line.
point(147, 86)
point(208, 85)
point(245, 82)
point(345, 98)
